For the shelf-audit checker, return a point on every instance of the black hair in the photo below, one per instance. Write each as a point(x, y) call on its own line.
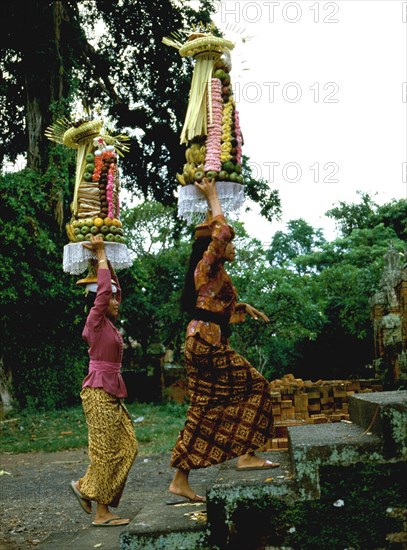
point(90, 298)
point(189, 293)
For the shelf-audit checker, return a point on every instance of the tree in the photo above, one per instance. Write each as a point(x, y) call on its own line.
point(367, 215)
point(300, 239)
point(347, 272)
point(49, 57)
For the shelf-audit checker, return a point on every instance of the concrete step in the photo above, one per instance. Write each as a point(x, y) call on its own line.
point(339, 444)
point(384, 414)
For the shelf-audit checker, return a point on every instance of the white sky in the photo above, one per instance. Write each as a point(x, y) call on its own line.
point(326, 88)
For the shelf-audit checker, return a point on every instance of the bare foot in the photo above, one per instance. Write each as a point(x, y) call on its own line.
point(251, 461)
point(180, 486)
point(104, 516)
point(113, 520)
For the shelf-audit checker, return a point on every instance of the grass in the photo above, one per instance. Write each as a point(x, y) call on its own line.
point(156, 428)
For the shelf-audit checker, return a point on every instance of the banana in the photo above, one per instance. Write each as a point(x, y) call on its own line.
point(181, 179)
point(70, 233)
point(188, 155)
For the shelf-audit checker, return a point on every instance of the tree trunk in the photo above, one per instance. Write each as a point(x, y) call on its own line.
point(5, 390)
point(44, 75)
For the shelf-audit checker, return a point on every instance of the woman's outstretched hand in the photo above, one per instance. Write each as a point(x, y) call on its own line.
point(254, 313)
point(96, 244)
point(208, 188)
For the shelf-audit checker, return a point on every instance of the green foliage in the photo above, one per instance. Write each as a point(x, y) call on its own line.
point(288, 247)
point(367, 215)
point(41, 311)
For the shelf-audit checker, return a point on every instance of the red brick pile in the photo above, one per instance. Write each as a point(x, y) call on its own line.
point(296, 401)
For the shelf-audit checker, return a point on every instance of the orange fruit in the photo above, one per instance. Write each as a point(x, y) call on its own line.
point(107, 221)
point(116, 222)
point(98, 222)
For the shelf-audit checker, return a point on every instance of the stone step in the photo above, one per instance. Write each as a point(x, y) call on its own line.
point(339, 444)
point(185, 526)
point(384, 414)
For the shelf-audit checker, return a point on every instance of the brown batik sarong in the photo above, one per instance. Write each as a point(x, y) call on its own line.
point(230, 407)
point(112, 446)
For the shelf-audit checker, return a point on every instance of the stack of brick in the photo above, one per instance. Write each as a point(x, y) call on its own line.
point(296, 401)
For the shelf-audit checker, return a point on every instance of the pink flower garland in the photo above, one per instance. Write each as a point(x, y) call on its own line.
point(110, 183)
point(238, 134)
point(213, 141)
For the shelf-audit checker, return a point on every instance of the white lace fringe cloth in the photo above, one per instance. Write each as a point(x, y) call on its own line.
point(192, 205)
point(76, 257)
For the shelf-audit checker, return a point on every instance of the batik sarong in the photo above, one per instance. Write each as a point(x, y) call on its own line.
point(112, 446)
point(230, 407)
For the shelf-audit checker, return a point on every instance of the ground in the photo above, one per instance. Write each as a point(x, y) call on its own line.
point(36, 501)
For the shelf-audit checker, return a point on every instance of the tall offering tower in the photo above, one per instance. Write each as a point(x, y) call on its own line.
point(211, 130)
point(95, 207)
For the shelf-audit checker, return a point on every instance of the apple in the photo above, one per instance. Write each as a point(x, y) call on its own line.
point(87, 176)
point(199, 175)
point(211, 174)
point(84, 229)
point(77, 230)
point(88, 237)
point(118, 239)
point(240, 178)
point(89, 167)
point(94, 230)
point(105, 229)
point(81, 223)
point(110, 237)
point(119, 231)
point(233, 176)
point(223, 175)
point(80, 237)
point(89, 222)
point(238, 168)
point(89, 157)
point(228, 166)
point(220, 73)
point(75, 223)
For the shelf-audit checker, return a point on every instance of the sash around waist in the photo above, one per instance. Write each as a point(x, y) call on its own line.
point(106, 375)
point(104, 366)
point(212, 317)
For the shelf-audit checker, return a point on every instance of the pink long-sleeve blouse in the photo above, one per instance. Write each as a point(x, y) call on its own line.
point(105, 341)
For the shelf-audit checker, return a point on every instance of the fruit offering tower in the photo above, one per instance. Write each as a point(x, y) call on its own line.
point(95, 208)
point(211, 130)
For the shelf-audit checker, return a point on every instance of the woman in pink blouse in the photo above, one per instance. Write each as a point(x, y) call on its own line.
point(230, 406)
point(111, 439)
